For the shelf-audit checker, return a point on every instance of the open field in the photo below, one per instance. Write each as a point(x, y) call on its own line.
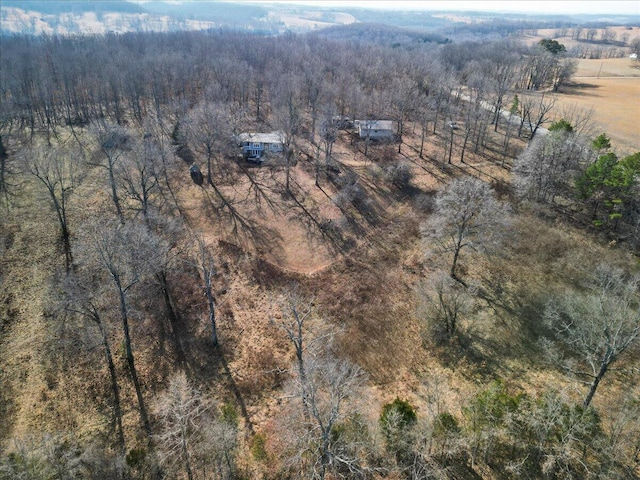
point(608, 67)
point(615, 103)
point(611, 89)
point(566, 38)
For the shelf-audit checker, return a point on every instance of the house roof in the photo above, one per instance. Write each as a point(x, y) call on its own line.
point(271, 137)
point(376, 124)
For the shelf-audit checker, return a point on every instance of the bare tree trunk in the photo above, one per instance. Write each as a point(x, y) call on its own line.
point(464, 145)
point(209, 178)
point(3, 168)
point(366, 142)
point(65, 235)
point(604, 366)
point(114, 190)
point(507, 137)
point(207, 270)
point(317, 166)
point(185, 453)
point(422, 137)
point(117, 409)
point(124, 316)
point(212, 311)
point(171, 312)
point(288, 169)
point(454, 263)
point(297, 340)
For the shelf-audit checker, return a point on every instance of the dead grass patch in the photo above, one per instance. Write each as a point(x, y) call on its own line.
point(614, 102)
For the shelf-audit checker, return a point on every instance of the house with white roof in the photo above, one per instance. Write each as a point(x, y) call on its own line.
point(375, 129)
point(256, 145)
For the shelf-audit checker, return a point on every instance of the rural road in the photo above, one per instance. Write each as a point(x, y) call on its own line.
point(512, 119)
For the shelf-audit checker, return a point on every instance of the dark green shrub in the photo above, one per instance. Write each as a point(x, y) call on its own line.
point(396, 420)
point(445, 424)
point(397, 414)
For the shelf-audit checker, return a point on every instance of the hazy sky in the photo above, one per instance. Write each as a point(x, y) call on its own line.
point(524, 6)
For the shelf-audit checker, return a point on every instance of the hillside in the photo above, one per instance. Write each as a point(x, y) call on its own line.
point(433, 299)
point(120, 16)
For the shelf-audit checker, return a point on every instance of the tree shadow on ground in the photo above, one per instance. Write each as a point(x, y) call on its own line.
point(348, 184)
point(579, 89)
point(317, 228)
point(208, 364)
point(243, 228)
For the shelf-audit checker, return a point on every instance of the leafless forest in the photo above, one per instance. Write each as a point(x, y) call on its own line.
point(457, 301)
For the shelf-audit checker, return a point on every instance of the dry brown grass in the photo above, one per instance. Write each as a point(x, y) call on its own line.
point(570, 43)
point(607, 67)
point(615, 103)
point(363, 288)
point(609, 87)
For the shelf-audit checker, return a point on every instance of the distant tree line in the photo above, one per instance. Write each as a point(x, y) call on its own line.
point(50, 81)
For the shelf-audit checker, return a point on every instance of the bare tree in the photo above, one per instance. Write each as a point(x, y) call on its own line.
point(179, 409)
point(443, 302)
point(513, 111)
point(216, 451)
point(576, 33)
point(441, 85)
point(4, 169)
point(327, 388)
point(545, 169)
point(59, 170)
point(114, 141)
point(296, 313)
point(403, 103)
point(499, 68)
point(595, 328)
point(208, 131)
point(467, 214)
point(83, 297)
point(126, 254)
point(288, 118)
point(476, 113)
point(580, 118)
point(319, 444)
point(634, 47)
point(565, 69)
point(539, 69)
point(622, 445)
point(203, 259)
point(139, 173)
point(328, 131)
point(534, 112)
point(591, 34)
point(313, 86)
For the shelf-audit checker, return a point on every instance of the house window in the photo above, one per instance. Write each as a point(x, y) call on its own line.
point(256, 145)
